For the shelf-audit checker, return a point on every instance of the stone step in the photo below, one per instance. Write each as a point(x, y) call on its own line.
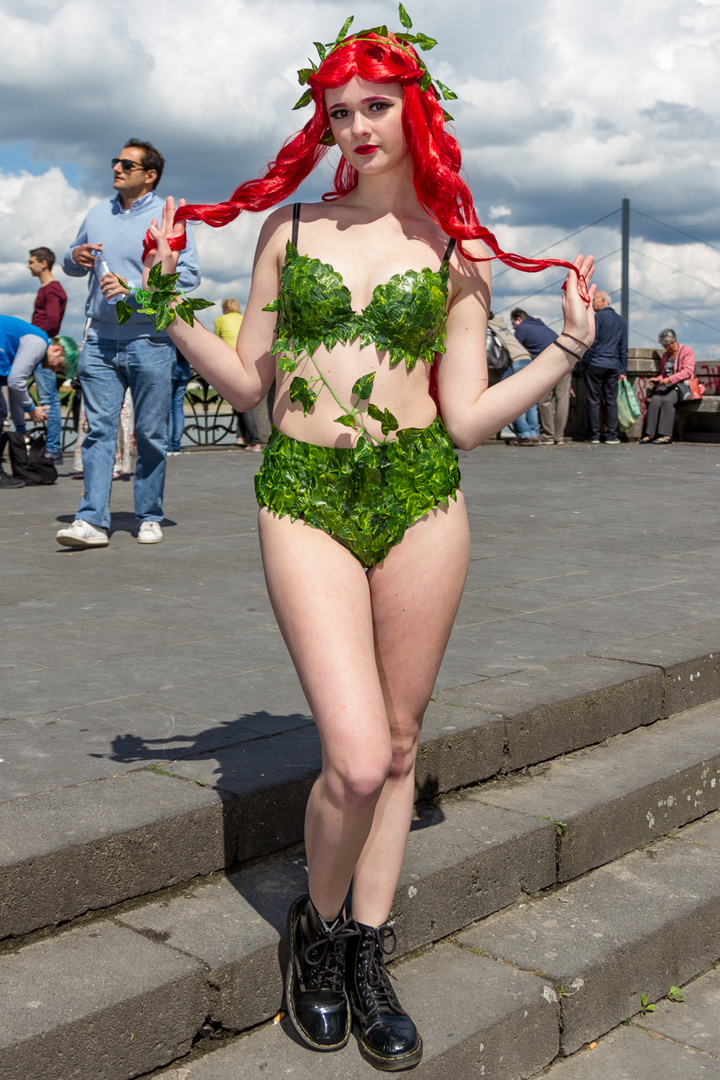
point(638, 926)
point(543, 977)
point(467, 858)
point(688, 1046)
point(94, 845)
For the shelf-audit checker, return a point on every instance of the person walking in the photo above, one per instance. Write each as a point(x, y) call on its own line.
point(365, 311)
point(114, 357)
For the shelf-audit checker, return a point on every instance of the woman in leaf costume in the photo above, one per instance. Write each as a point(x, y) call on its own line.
point(365, 310)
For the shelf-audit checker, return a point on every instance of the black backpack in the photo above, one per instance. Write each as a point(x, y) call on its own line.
point(28, 464)
point(498, 358)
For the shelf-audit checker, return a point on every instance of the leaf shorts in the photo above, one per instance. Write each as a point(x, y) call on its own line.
point(364, 496)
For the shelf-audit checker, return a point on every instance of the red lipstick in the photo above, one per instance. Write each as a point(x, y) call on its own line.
point(365, 149)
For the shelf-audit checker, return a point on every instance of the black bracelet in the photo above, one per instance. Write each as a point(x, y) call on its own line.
point(568, 351)
point(564, 333)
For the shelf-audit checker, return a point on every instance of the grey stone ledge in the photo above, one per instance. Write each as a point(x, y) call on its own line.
point(614, 798)
point(554, 708)
point(645, 922)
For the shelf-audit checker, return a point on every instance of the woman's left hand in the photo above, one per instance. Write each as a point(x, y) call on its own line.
point(577, 301)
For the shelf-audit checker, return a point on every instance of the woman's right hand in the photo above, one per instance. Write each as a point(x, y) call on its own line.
point(167, 230)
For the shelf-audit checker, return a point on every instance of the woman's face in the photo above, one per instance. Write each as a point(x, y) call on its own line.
point(366, 120)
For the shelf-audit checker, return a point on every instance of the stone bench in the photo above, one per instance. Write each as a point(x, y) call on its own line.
point(697, 415)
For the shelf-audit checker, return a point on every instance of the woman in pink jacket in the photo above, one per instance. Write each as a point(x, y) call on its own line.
point(677, 365)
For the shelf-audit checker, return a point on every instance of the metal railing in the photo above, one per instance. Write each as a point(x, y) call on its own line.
point(209, 418)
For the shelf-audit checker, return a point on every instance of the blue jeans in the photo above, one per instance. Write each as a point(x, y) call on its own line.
point(105, 369)
point(48, 394)
point(182, 374)
point(526, 426)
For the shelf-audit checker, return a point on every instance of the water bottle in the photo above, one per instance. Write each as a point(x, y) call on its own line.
point(102, 268)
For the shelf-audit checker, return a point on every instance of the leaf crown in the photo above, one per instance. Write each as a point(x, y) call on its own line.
point(401, 40)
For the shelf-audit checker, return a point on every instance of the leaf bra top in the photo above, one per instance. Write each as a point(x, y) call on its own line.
point(406, 317)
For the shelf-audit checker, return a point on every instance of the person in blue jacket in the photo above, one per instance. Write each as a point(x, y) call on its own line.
point(109, 247)
point(25, 349)
point(604, 365)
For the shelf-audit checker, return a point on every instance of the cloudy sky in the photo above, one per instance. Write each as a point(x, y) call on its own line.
point(563, 110)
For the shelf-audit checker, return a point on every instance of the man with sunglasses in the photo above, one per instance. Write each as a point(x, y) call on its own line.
point(108, 247)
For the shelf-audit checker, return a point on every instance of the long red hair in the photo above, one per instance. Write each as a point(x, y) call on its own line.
point(435, 152)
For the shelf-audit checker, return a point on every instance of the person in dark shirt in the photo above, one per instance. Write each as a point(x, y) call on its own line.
point(51, 299)
point(50, 304)
point(605, 364)
point(554, 407)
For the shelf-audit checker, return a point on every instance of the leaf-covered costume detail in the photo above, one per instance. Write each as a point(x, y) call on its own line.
point(365, 496)
point(406, 317)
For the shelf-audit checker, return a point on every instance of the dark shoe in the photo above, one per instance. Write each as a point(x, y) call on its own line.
point(7, 481)
point(53, 459)
point(663, 440)
point(315, 995)
point(646, 439)
point(388, 1038)
point(531, 441)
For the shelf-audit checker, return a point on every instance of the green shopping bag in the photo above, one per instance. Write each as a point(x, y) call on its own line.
point(628, 406)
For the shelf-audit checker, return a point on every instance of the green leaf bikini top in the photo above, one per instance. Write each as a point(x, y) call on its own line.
point(406, 317)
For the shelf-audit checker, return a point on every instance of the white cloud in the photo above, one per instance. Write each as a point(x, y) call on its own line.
point(562, 111)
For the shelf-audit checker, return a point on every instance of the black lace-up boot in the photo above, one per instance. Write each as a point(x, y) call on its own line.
point(315, 993)
point(389, 1039)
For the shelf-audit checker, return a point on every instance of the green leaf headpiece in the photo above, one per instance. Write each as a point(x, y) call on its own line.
point(380, 33)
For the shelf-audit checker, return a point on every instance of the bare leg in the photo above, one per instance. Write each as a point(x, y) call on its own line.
point(367, 649)
point(415, 596)
point(321, 598)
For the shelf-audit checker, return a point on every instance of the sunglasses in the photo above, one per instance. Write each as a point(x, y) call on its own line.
point(125, 164)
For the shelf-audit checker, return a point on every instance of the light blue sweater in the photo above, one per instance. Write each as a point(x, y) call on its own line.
point(121, 233)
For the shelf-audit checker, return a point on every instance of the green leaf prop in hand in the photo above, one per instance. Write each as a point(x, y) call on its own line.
point(158, 301)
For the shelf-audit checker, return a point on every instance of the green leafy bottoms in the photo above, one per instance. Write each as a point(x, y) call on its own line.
point(365, 496)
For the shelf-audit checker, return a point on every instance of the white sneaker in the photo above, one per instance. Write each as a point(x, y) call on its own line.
point(149, 533)
point(82, 534)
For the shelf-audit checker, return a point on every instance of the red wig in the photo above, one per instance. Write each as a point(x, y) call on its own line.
point(435, 152)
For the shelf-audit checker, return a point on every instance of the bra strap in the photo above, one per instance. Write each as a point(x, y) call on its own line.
point(449, 249)
point(296, 223)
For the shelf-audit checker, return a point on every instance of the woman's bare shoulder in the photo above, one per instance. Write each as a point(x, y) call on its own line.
point(471, 274)
point(274, 234)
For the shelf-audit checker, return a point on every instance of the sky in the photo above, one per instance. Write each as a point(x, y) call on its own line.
point(563, 110)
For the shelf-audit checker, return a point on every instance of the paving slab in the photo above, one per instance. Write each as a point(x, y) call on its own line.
point(690, 658)
point(629, 1054)
point(554, 708)
point(493, 1022)
point(87, 847)
point(695, 1022)
point(269, 781)
point(234, 925)
point(536, 527)
point(463, 862)
point(705, 833)
point(99, 1001)
point(457, 747)
point(646, 922)
point(616, 797)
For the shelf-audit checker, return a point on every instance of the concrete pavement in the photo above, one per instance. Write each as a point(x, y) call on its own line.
point(590, 609)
